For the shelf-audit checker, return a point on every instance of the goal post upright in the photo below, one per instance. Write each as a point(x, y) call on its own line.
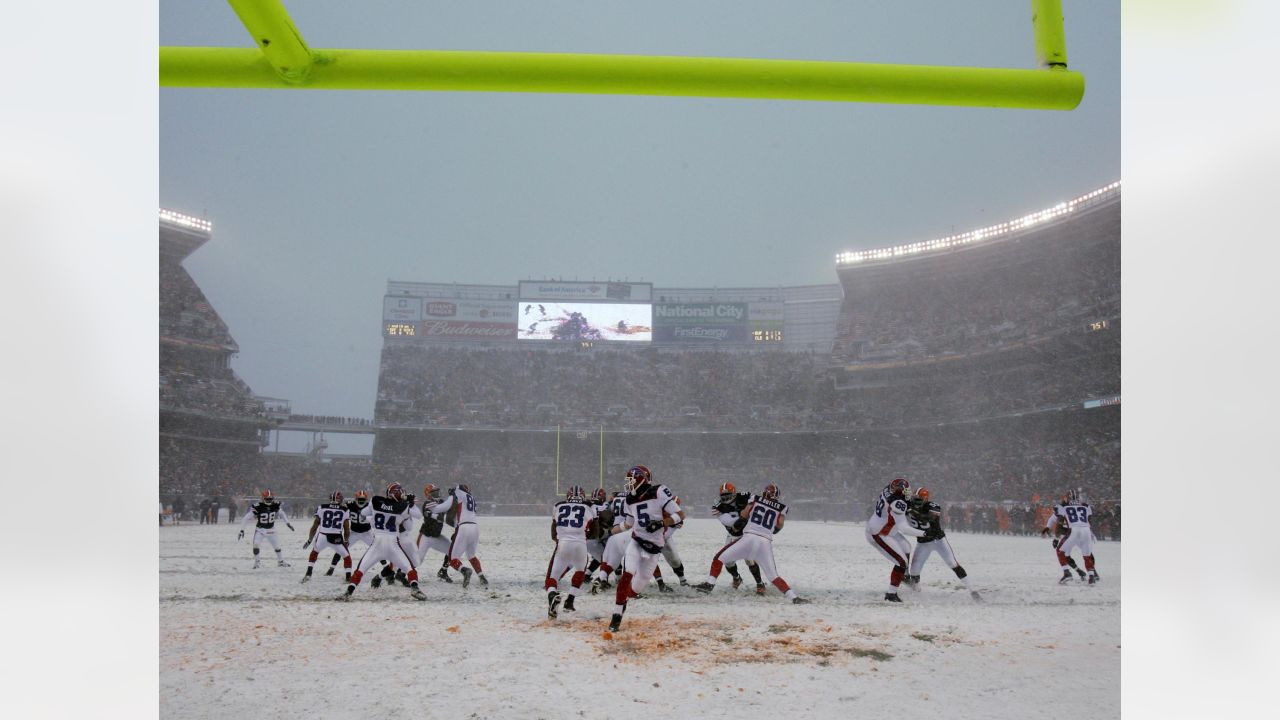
point(557, 461)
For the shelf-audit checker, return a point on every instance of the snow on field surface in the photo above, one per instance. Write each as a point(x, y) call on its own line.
point(238, 642)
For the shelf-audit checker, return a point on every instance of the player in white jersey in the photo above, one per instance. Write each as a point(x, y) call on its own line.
point(617, 539)
point(1077, 514)
point(927, 516)
point(650, 510)
point(670, 553)
point(599, 535)
point(361, 531)
point(886, 531)
point(267, 511)
point(570, 519)
point(386, 513)
point(333, 527)
point(466, 533)
point(759, 522)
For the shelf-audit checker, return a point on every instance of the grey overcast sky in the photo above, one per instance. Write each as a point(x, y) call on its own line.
point(319, 197)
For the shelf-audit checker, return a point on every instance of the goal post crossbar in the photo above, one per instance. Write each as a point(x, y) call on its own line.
point(282, 59)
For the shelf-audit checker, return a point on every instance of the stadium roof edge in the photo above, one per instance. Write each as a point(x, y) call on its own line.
point(855, 258)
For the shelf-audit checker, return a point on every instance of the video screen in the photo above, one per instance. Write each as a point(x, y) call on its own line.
point(610, 322)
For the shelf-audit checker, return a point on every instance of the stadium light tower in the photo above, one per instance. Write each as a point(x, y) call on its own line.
point(283, 60)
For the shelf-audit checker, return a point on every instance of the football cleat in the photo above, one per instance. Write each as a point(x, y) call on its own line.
point(417, 594)
point(444, 575)
point(684, 582)
point(257, 563)
point(553, 605)
point(1066, 577)
point(976, 597)
point(402, 578)
point(347, 577)
point(595, 586)
point(737, 582)
point(568, 604)
point(892, 597)
point(759, 588)
point(282, 563)
point(466, 577)
point(306, 578)
point(615, 622)
point(328, 572)
point(483, 580)
point(800, 601)
point(1080, 573)
point(605, 584)
point(1093, 579)
point(704, 587)
point(376, 581)
point(662, 587)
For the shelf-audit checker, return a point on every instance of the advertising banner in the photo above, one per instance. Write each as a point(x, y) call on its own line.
point(766, 316)
point(611, 322)
point(603, 291)
point(700, 323)
point(401, 309)
point(461, 330)
point(469, 310)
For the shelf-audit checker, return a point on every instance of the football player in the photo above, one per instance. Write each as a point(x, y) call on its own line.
point(331, 521)
point(1075, 513)
point(466, 534)
point(267, 511)
point(670, 553)
point(616, 544)
point(926, 515)
point(360, 528)
point(598, 535)
point(887, 529)
point(386, 513)
point(570, 519)
point(728, 511)
point(431, 534)
point(650, 509)
point(758, 522)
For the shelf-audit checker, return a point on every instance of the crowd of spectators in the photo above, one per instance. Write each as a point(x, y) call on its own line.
point(434, 386)
point(983, 299)
point(329, 420)
point(185, 312)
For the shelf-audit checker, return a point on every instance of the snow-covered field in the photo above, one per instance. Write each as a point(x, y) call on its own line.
point(238, 642)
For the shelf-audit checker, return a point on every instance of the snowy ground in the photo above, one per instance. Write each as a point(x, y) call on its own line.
point(256, 643)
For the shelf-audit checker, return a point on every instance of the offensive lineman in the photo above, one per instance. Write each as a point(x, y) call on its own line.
point(728, 511)
point(886, 531)
point(927, 516)
point(386, 514)
point(1076, 513)
point(758, 522)
point(466, 534)
point(569, 521)
point(266, 511)
point(650, 509)
point(331, 521)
